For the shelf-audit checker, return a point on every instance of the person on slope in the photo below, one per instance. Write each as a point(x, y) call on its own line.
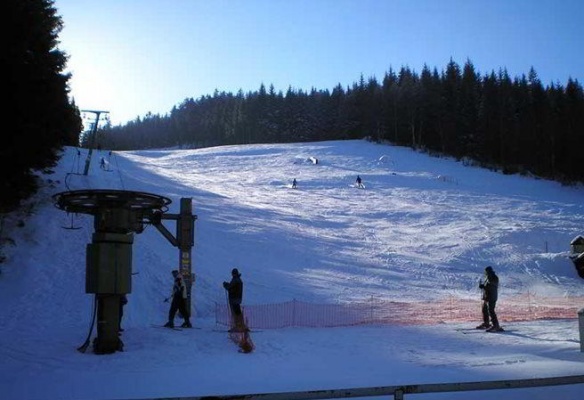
point(235, 296)
point(294, 183)
point(179, 301)
point(490, 288)
point(359, 182)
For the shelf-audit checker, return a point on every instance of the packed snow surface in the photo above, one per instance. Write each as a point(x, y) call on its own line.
point(422, 229)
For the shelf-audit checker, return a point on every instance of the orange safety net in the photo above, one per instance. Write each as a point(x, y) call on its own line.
point(376, 312)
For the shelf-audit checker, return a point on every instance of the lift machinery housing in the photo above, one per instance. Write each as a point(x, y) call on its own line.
point(118, 214)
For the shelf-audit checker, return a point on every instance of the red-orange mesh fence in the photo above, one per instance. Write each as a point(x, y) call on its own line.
point(374, 312)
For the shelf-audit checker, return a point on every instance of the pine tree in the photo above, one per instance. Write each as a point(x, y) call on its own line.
point(42, 117)
point(450, 126)
point(470, 92)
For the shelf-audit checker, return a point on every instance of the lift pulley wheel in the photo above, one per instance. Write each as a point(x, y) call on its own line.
point(92, 201)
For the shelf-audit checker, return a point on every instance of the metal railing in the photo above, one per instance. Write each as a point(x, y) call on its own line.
point(398, 392)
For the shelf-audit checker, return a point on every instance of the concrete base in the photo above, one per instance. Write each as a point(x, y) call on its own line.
point(108, 325)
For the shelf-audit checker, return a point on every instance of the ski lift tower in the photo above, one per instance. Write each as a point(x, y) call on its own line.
point(93, 136)
point(118, 214)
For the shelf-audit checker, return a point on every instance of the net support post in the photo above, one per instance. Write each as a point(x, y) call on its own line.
point(581, 326)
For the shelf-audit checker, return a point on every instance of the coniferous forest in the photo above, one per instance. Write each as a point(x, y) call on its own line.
point(40, 117)
point(515, 125)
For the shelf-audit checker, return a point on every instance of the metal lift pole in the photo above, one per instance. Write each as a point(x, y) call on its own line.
point(185, 236)
point(184, 240)
point(94, 135)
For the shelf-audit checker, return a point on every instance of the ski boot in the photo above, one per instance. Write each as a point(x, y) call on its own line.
point(495, 328)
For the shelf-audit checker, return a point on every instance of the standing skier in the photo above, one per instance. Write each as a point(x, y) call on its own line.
point(490, 288)
point(359, 182)
point(294, 183)
point(235, 296)
point(179, 301)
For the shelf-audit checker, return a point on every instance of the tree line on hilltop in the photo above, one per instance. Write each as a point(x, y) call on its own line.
point(510, 124)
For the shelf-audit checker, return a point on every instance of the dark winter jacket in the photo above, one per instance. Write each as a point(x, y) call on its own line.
point(179, 289)
point(234, 289)
point(490, 287)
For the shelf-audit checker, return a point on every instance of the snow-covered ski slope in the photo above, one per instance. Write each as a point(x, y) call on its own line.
point(423, 225)
point(424, 228)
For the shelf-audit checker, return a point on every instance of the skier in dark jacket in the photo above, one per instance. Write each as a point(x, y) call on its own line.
point(179, 301)
point(235, 296)
point(490, 288)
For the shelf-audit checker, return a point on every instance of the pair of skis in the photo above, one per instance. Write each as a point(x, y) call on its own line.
point(174, 328)
point(479, 330)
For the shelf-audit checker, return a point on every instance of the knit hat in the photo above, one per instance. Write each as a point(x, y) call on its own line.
point(234, 272)
point(489, 269)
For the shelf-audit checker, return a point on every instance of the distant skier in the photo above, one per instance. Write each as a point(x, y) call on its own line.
point(235, 297)
point(102, 163)
point(359, 183)
point(294, 184)
point(490, 288)
point(179, 301)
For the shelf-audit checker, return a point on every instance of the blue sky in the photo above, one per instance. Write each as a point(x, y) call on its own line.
point(136, 56)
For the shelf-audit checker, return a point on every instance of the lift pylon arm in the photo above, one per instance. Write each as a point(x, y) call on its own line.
point(156, 221)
